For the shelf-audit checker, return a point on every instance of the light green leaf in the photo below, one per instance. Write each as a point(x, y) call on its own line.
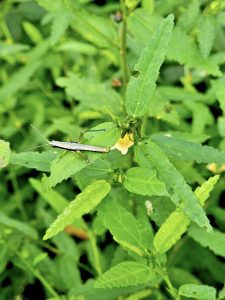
point(189, 17)
point(34, 160)
point(183, 49)
point(148, 154)
point(206, 34)
point(91, 93)
point(62, 168)
point(186, 150)
point(214, 240)
point(219, 89)
point(143, 181)
point(18, 226)
point(181, 94)
point(5, 153)
point(124, 227)
point(221, 126)
point(87, 200)
point(203, 292)
point(95, 29)
point(77, 47)
point(177, 223)
point(62, 17)
point(18, 80)
point(171, 231)
point(127, 273)
point(33, 32)
point(6, 49)
point(54, 199)
point(140, 89)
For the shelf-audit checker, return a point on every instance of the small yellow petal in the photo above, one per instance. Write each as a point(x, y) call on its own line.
point(123, 144)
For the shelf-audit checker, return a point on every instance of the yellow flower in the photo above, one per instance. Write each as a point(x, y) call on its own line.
point(123, 144)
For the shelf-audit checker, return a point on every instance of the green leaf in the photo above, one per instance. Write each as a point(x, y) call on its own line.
point(171, 231)
point(34, 160)
point(206, 34)
point(124, 227)
point(203, 292)
point(5, 153)
point(214, 240)
point(219, 89)
point(54, 199)
point(62, 168)
point(77, 47)
point(32, 31)
point(95, 29)
point(91, 93)
point(189, 17)
point(62, 18)
point(183, 49)
point(143, 181)
point(177, 223)
point(87, 200)
point(127, 273)
point(17, 225)
point(13, 49)
point(140, 89)
point(181, 94)
point(148, 154)
point(186, 150)
point(18, 80)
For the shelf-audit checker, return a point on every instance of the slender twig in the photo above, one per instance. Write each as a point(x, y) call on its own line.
point(123, 44)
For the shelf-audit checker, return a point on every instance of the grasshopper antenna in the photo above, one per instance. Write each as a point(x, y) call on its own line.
point(36, 147)
point(38, 131)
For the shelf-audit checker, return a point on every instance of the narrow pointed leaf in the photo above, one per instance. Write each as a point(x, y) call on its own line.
point(214, 240)
point(177, 222)
point(206, 34)
point(148, 154)
point(83, 204)
point(141, 87)
point(5, 153)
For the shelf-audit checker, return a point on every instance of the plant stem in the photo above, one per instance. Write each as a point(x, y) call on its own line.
point(171, 289)
point(123, 44)
point(36, 273)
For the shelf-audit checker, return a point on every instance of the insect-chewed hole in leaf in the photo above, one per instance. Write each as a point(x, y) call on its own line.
point(34, 289)
point(135, 74)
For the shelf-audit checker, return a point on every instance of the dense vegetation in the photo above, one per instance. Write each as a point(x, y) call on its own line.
point(146, 80)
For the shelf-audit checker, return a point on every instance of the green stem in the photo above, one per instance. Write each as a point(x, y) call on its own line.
point(36, 273)
point(171, 289)
point(123, 44)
